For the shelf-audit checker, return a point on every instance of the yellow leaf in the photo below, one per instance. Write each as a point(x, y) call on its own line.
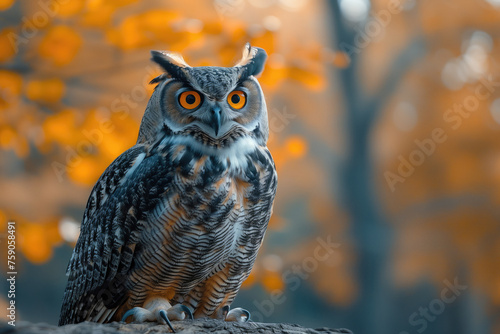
point(145, 29)
point(314, 81)
point(60, 45)
point(98, 18)
point(98, 13)
point(10, 139)
point(10, 87)
point(272, 76)
point(115, 4)
point(264, 40)
point(11, 82)
point(87, 171)
point(6, 4)
point(48, 91)
point(7, 136)
point(272, 281)
point(7, 46)
point(213, 28)
point(114, 145)
point(296, 146)
point(68, 8)
point(61, 128)
point(34, 243)
point(52, 233)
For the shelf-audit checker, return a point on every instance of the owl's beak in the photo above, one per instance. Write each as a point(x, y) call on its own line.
point(215, 120)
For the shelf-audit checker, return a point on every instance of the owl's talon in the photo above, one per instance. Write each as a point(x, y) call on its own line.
point(163, 315)
point(140, 315)
point(179, 312)
point(186, 310)
point(238, 315)
point(160, 311)
point(127, 314)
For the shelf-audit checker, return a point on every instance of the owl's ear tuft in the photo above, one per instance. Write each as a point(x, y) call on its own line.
point(252, 62)
point(172, 63)
point(158, 79)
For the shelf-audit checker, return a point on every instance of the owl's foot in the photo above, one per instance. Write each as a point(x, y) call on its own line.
point(159, 310)
point(236, 314)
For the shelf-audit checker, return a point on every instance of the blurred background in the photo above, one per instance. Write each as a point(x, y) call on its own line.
point(385, 127)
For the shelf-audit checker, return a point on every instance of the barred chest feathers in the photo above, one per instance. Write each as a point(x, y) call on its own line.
point(215, 211)
point(239, 176)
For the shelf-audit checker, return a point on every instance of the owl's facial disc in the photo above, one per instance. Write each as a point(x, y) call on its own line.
point(215, 116)
point(220, 102)
point(223, 115)
point(188, 105)
point(213, 119)
point(192, 107)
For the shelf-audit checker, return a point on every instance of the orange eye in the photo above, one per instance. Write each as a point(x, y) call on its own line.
point(190, 99)
point(237, 99)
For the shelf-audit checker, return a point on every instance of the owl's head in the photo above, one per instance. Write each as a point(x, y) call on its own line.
point(209, 103)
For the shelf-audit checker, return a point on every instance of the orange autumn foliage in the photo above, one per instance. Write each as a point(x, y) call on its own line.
point(60, 45)
point(7, 48)
point(45, 91)
point(296, 146)
point(272, 281)
point(5, 4)
point(10, 87)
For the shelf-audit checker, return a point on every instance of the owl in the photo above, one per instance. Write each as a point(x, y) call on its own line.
point(173, 226)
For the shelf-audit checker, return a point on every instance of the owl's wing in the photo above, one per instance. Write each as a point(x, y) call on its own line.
point(130, 187)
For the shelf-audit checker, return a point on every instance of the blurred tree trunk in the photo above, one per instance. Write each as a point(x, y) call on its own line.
point(372, 234)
